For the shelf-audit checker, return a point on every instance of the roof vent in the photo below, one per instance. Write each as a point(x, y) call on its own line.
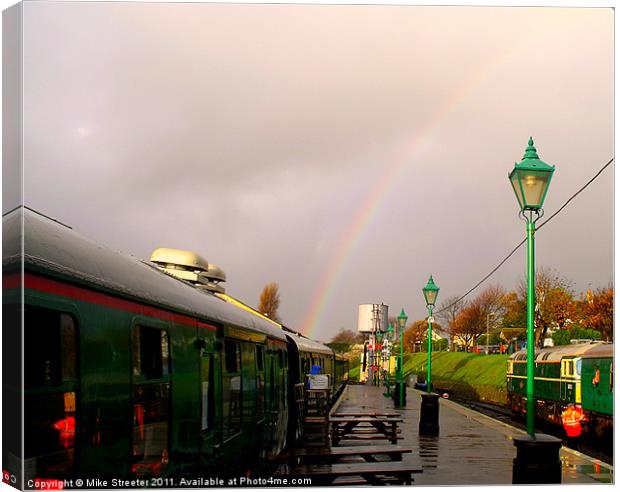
point(211, 279)
point(189, 266)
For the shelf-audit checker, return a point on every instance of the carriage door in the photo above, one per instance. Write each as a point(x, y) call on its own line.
point(51, 386)
point(273, 395)
point(151, 400)
point(208, 376)
point(207, 402)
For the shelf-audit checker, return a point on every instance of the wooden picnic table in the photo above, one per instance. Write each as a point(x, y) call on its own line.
point(331, 455)
point(378, 473)
point(345, 428)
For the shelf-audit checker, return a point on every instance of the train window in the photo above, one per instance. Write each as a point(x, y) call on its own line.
point(260, 358)
point(50, 372)
point(232, 356)
point(578, 367)
point(206, 391)
point(232, 389)
point(151, 352)
point(282, 358)
point(260, 380)
point(51, 348)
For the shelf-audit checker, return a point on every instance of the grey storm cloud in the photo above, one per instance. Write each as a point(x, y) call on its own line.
point(258, 134)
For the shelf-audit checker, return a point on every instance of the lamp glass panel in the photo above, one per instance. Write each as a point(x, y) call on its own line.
point(534, 184)
point(514, 180)
point(430, 295)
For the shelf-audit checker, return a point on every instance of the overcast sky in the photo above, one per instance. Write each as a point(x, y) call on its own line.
point(345, 152)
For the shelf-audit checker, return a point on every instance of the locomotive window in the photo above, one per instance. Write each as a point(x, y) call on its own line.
point(232, 356)
point(151, 353)
point(578, 367)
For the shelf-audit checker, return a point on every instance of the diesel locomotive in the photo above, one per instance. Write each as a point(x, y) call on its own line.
point(131, 370)
point(580, 373)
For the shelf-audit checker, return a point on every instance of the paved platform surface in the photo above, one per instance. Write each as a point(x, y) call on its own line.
point(471, 449)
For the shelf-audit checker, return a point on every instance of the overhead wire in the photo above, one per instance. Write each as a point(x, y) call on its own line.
point(524, 240)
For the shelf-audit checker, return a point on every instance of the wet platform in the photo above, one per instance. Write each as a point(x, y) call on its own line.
point(471, 449)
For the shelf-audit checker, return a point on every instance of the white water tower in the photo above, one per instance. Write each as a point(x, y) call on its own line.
point(372, 318)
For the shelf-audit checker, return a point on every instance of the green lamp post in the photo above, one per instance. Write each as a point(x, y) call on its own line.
point(537, 458)
point(429, 410)
point(430, 295)
point(388, 338)
point(530, 180)
point(402, 323)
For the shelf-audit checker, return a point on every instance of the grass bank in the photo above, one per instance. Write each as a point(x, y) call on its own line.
point(481, 377)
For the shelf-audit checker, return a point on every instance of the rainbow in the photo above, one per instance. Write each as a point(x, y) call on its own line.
point(369, 208)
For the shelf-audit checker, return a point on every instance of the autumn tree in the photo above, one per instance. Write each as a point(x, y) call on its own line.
point(471, 322)
point(413, 334)
point(269, 301)
point(597, 311)
point(344, 340)
point(554, 305)
point(468, 324)
point(345, 336)
point(417, 332)
point(515, 315)
point(447, 312)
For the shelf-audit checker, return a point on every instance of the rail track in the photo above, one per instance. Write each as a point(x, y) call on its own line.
point(506, 415)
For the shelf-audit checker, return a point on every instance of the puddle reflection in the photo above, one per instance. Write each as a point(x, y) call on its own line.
point(429, 451)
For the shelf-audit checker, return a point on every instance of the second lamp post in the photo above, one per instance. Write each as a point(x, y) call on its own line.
point(402, 323)
point(429, 411)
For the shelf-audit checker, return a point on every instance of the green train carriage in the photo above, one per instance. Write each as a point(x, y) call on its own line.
point(129, 371)
point(597, 390)
point(560, 378)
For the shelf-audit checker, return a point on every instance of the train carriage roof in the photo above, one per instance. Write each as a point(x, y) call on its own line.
point(61, 252)
point(555, 354)
point(306, 345)
point(602, 350)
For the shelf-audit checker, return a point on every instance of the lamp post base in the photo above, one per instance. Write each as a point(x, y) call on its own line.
point(429, 415)
point(538, 460)
point(396, 394)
